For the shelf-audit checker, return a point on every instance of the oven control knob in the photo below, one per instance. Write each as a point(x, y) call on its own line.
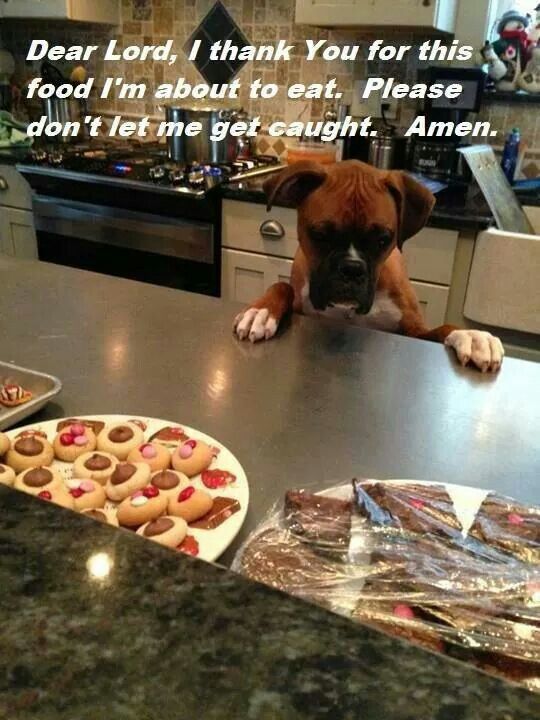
point(56, 157)
point(157, 173)
point(39, 156)
point(176, 177)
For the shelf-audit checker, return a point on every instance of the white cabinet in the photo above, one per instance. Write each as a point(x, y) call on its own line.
point(433, 301)
point(96, 11)
point(17, 232)
point(437, 14)
point(246, 276)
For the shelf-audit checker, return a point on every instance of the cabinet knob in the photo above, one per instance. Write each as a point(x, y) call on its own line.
point(272, 230)
point(3, 183)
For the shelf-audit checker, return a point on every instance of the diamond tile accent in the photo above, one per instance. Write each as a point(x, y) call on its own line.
point(216, 25)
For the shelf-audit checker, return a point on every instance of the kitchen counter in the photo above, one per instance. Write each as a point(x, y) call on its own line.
point(162, 635)
point(452, 211)
point(393, 406)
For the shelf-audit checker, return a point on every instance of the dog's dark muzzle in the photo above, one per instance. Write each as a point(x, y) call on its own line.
point(343, 280)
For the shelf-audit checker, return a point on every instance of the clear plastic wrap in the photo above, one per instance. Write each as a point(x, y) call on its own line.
point(448, 567)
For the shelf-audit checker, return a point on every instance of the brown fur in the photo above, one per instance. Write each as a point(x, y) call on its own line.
point(349, 193)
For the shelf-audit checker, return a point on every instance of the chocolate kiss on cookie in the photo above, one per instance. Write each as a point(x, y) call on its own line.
point(169, 481)
point(35, 480)
point(29, 452)
point(120, 439)
point(167, 531)
point(97, 466)
point(126, 479)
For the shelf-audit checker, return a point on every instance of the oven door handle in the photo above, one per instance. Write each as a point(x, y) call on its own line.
point(161, 235)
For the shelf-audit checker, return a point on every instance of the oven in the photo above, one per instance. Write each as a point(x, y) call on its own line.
point(140, 233)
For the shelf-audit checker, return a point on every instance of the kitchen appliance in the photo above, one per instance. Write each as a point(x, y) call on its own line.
point(59, 109)
point(439, 157)
point(125, 209)
point(200, 148)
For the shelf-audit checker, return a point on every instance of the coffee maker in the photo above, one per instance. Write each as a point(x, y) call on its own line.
point(439, 157)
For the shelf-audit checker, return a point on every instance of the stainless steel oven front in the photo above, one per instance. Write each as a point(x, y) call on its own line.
point(156, 248)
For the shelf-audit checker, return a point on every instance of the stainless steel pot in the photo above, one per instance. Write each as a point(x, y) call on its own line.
point(200, 148)
point(63, 110)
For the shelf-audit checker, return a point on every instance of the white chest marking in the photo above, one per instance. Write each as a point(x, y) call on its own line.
point(384, 313)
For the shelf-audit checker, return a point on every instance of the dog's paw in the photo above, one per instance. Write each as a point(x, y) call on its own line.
point(481, 348)
point(255, 324)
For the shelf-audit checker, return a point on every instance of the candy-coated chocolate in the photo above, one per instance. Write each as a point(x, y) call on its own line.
point(404, 611)
point(80, 440)
point(185, 451)
point(139, 500)
point(66, 439)
point(45, 495)
point(77, 429)
point(186, 494)
point(151, 491)
point(515, 519)
point(148, 451)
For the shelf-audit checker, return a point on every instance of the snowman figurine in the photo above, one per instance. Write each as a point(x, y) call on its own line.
point(513, 28)
point(529, 80)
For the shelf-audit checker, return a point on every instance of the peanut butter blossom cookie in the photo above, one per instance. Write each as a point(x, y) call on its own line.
point(169, 482)
point(102, 515)
point(5, 444)
point(74, 441)
point(28, 452)
point(167, 531)
point(35, 480)
point(7, 475)
point(95, 466)
point(120, 439)
point(126, 479)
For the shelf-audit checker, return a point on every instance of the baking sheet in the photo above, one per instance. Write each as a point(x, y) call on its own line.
point(42, 386)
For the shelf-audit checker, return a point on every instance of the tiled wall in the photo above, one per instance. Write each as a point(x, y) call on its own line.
point(262, 21)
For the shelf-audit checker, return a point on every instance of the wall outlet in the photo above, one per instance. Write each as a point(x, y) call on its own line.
point(372, 106)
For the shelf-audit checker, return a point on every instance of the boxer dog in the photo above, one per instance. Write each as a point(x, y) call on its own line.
point(352, 222)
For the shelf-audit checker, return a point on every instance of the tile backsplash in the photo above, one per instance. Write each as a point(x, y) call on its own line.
point(261, 22)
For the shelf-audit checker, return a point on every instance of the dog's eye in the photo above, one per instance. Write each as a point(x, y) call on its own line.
point(321, 234)
point(384, 239)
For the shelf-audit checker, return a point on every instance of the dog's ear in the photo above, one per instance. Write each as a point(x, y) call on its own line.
point(294, 183)
point(414, 204)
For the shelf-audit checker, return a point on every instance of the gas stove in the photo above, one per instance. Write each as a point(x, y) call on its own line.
point(142, 166)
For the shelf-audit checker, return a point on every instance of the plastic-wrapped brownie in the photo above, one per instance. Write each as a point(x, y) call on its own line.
point(407, 506)
point(318, 519)
point(509, 526)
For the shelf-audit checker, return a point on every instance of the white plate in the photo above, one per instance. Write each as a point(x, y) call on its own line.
point(212, 543)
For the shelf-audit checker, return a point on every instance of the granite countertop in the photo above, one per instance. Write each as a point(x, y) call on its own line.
point(452, 211)
point(99, 623)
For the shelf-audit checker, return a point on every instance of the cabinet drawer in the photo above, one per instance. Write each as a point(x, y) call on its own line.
point(242, 228)
point(14, 190)
point(430, 255)
point(246, 276)
point(433, 301)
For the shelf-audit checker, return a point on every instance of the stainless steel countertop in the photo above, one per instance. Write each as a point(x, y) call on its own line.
point(319, 404)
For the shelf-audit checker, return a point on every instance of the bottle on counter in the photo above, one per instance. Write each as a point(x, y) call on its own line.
point(511, 154)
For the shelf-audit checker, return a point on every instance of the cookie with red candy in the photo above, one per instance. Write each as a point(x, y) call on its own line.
point(190, 504)
point(35, 480)
point(57, 496)
point(86, 494)
point(141, 507)
point(166, 530)
point(28, 452)
point(74, 441)
point(192, 457)
point(155, 455)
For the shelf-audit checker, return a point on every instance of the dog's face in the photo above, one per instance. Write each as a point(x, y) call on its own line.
point(350, 218)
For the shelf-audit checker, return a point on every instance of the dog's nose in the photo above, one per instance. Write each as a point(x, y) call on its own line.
point(353, 268)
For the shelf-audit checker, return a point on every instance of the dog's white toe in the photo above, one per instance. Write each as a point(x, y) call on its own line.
point(477, 346)
point(255, 324)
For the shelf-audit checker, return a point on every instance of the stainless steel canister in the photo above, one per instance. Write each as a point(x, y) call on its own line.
point(200, 148)
point(63, 110)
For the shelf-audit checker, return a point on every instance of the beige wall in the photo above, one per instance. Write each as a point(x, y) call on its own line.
point(154, 21)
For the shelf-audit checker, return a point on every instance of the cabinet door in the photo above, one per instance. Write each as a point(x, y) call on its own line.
point(17, 233)
point(440, 14)
point(33, 9)
point(433, 300)
point(98, 11)
point(246, 276)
